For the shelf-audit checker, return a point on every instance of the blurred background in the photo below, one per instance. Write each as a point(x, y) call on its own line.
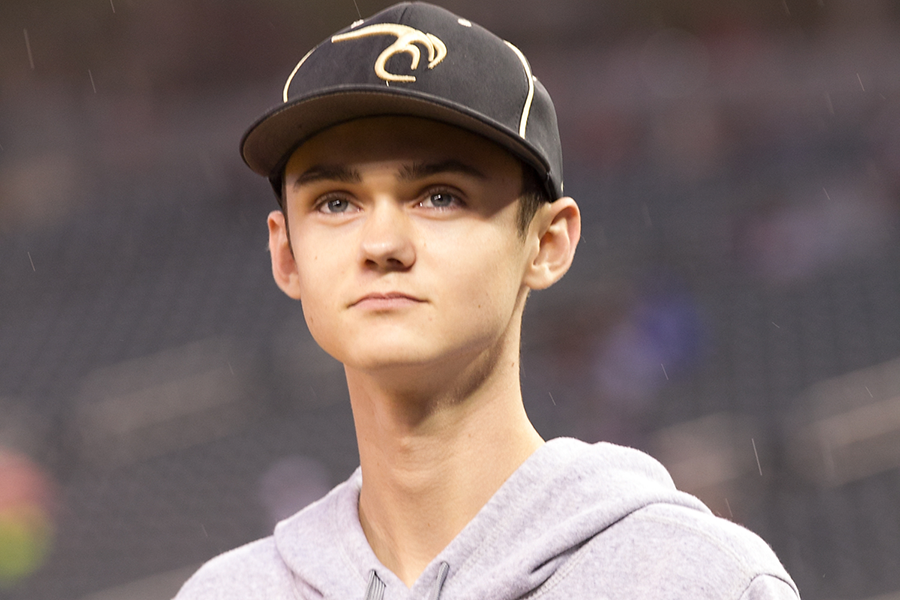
point(733, 308)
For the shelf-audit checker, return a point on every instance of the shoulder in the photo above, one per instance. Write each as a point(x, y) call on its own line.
point(280, 566)
point(255, 570)
point(698, 529)
point(697, 549)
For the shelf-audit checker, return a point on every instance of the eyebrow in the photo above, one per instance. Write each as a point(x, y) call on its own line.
point(421, 170)
point(413, 172)
point(327, 173)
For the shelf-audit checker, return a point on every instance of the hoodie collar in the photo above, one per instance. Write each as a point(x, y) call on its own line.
point(562, 496)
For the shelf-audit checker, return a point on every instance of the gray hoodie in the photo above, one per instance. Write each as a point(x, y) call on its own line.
point(574, 521)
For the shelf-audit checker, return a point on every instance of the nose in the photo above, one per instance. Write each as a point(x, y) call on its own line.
point(387, 238)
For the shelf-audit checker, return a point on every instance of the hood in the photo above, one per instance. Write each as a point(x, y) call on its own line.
point(566, 493)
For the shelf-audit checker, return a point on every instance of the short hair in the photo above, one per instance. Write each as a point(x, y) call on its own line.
point(532, 195)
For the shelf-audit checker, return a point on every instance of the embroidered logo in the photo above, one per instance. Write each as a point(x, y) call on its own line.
point(407, 38)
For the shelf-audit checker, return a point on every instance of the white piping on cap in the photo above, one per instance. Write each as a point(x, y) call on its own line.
point(523, 123)
point(294, 72)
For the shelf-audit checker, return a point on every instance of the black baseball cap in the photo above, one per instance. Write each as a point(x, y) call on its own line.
point(413, 59)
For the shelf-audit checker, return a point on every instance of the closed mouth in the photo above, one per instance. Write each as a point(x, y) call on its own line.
point(386, 298)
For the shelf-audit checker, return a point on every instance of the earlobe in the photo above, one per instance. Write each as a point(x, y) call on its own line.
point(284, 267)
point(558, 227)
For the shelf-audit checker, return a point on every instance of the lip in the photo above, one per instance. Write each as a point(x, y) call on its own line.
point(385, 301)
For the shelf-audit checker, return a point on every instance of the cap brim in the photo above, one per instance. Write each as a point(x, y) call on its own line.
point(266, 144)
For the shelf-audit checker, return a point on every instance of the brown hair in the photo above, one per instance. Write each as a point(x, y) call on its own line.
point(532, 195)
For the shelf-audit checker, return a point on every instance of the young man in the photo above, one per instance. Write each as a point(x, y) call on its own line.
point(418, 167)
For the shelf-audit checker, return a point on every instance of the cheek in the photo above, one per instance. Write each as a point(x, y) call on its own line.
point(489, 285)
point(319, 322)
point(317, 291)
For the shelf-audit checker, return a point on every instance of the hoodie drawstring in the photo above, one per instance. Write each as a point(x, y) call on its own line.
point(375, 589)
point(439, 582)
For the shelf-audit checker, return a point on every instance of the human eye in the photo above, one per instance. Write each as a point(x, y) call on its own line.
point(441, 199)
point(335, 205)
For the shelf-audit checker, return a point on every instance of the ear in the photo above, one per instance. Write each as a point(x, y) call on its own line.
point(557, 226)
point(284, 267)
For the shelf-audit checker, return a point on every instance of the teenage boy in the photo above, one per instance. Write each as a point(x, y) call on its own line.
point(418, 167)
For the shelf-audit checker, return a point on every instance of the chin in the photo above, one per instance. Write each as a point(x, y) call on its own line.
point(387, 359)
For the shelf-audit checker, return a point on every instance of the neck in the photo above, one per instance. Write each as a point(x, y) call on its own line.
point(423, 457)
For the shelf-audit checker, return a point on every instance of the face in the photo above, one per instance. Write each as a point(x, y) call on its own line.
point(405, 250)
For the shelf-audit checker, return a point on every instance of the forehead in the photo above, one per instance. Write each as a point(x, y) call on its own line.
point(402, 139)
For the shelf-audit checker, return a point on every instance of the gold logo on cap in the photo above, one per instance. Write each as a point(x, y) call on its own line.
point(407, 38)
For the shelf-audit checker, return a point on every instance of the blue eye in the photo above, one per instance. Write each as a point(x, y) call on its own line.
point(440, 200)
point(335, 205)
